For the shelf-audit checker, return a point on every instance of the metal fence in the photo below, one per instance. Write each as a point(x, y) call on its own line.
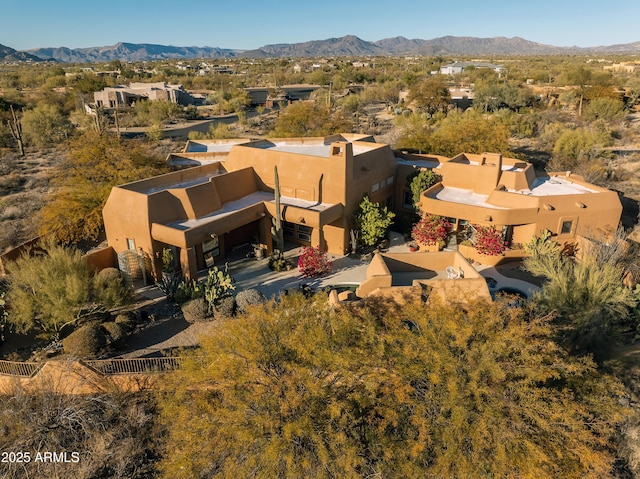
point(22, 369)
point(136, 365)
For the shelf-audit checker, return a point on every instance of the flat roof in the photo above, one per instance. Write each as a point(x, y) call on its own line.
point(464, 197)
point(139, 186)
point(313, 149)
point(231, 207)
point(554, 186)
point(204, 146)
point(431, 164)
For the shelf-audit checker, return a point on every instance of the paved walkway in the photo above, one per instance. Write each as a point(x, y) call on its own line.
point(174, 331)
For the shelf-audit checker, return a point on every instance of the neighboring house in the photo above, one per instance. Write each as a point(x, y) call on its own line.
point(118, 96)
point(507, 193)
point(459, 67)
point(203, 213)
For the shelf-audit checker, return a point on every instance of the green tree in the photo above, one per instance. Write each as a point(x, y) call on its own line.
point(44, 126)
point(591, 304)
point(420, 181)
point(469, 132)
point(52, 290)
point(430, 95)
point(301, 389)
point(373, 221)
point(494, 95)
point(604, 108)
point(307, 118)
point(84, 179)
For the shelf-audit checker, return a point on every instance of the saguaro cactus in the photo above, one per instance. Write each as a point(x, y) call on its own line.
point(16, 130)
point(278, 233)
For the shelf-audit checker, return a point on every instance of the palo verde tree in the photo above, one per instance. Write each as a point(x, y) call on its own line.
point(307, 118)
point(301, 389)
point(587, 296)
point(431, 95)
point(83, 181)
point(49, 291)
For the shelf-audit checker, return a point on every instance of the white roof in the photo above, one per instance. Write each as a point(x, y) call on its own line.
point(465, 197)
point(555, 185)
point(313, 149)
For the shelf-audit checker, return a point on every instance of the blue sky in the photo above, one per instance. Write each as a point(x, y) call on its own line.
point(249, 24)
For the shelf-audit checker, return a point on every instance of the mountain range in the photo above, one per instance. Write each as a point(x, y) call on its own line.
point(344, 46)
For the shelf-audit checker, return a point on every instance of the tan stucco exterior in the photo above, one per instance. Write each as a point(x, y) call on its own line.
point(447, 275)
point(322, 182)
point(229, 197)
point(507, 193)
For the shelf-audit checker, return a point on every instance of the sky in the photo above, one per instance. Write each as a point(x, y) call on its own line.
point(250, 24)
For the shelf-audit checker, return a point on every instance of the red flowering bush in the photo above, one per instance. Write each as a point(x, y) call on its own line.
point(313, 262)
point(488, 240)
point(430, 230)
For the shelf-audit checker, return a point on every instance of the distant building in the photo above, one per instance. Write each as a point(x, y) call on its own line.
point(459, 67)
point(118, 96)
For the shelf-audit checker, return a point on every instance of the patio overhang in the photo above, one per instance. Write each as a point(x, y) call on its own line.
point(315, 215)
point(182, 236)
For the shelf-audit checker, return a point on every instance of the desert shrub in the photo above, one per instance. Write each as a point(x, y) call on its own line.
point(115, 332)
point(85, 342)
point(127, 321)
point(226, 308)
point(54, 289)
point(110, 289)
point(170, 278)
point(373, 221)
point(313, 262)
point(430, 230)
point(195, 310)
point(189, 290)
point(115, 434)
point(277, 262)
point(488, 240)
point(249, 297)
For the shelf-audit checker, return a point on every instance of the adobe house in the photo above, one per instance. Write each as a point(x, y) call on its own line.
point(227, 200)
point(506, 193)
point(203, 213)
point(117, 96)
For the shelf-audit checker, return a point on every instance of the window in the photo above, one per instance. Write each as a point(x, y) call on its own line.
point(390, 180)
point(289, 230)
point(296, 232)
point(375, 187)
point(567, 227)
point(131, 244)
point(211, 249)
point(304, 233)
point(407, 200)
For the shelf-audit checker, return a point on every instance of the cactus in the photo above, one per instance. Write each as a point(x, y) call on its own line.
point(218, 285)
point(277, 229)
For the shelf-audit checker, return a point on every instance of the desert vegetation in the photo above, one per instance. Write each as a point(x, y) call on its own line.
point(293, 388)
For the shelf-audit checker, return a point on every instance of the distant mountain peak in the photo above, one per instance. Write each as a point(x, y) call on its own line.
point(8, 54)
point(348, 45)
